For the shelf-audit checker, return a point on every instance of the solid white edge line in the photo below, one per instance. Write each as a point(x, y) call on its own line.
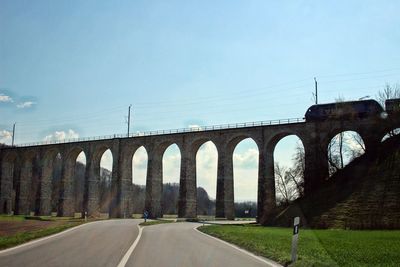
point(45, 238)
point(269, 262)
point(127, 255)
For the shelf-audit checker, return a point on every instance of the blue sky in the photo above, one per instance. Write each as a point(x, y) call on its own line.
point(71, 68)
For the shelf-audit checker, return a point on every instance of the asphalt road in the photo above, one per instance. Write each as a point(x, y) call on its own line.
point(105, 243)
point(178, 244)
point(101, 243)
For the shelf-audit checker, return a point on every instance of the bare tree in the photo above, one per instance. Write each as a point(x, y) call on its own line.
point(388, 92)
point(286, 184)
point(344, 148)
point(297, 172)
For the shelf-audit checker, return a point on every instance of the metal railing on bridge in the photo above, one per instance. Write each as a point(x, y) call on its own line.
point(171, 131)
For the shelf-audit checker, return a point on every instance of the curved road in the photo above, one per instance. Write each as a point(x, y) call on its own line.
point(105, 243)
point(178, 244)
point(101, 243)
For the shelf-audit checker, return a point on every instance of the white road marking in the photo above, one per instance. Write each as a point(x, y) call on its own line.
point(46, 237)
point(125, 259)
point(264, 260)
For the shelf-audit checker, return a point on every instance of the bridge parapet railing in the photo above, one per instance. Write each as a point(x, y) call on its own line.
point(171, 131)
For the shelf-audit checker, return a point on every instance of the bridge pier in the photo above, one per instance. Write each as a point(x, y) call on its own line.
point(125, 184)
point(24, 188)
point(46, 187)
point(316, 164)
point(187, 205)
point(115, 207)
point(66, 200)
point(10, 170)
point(93, 181)
point(224, 206)
point(154, 184)
point(266, 187)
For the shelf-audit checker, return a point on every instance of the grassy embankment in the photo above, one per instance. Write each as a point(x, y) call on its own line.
point(316, 247)
point(16, 230)
point(154, 222)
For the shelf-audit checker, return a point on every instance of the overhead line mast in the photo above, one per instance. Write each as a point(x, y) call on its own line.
point(129, 118)
point(316, 91)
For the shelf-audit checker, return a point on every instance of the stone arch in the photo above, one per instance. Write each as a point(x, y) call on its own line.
point(137, 171)
point(245, 177)
point(132, 156)
point(234, 141)
point(170, 193)
point(66, 199)
point(10, 171)
point(390, 133)
point(275, 139)
point(266, 201)
point(205, 206)
point(337, 130)
point(351, 144)
point(283, 163)
point(104, 161)
point(154, 183)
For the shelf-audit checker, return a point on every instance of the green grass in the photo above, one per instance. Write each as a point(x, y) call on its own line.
point(316, 247)
point(15, 218)
point(154, 222)
point(19, 238)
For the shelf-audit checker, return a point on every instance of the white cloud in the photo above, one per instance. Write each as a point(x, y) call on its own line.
point(5, 98)
point(195, 127)
point(61, 135)
point(246, 160)
point(245, 184)
point(5, 137)
point(26, 104)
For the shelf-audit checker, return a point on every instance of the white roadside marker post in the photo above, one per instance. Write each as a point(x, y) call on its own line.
point(295, 238)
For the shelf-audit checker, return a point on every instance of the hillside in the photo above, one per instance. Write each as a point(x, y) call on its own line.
point(364, 195)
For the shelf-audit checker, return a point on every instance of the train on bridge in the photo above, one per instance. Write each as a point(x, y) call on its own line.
point(351, 110)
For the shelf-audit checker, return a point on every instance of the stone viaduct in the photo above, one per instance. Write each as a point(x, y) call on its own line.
point(20, 164)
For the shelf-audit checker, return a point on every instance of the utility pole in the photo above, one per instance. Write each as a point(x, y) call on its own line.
point(129, 118)
point(12, 143)
point(316, 91)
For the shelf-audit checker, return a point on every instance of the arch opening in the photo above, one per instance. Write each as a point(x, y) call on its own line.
point(106, 169)
point(171, 166)
point(343, 148)
point(138, 187)
point(245, 178)
point(289, 166)
point(206, 181)
point(390, 134)
point(79, 182)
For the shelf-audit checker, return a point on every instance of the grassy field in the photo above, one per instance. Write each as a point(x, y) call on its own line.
point(316, 247)
point(15, 230)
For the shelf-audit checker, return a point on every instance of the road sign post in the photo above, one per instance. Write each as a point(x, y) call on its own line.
point(295, 238)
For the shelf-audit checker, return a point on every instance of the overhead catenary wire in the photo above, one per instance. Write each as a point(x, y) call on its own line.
point(215, 104)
